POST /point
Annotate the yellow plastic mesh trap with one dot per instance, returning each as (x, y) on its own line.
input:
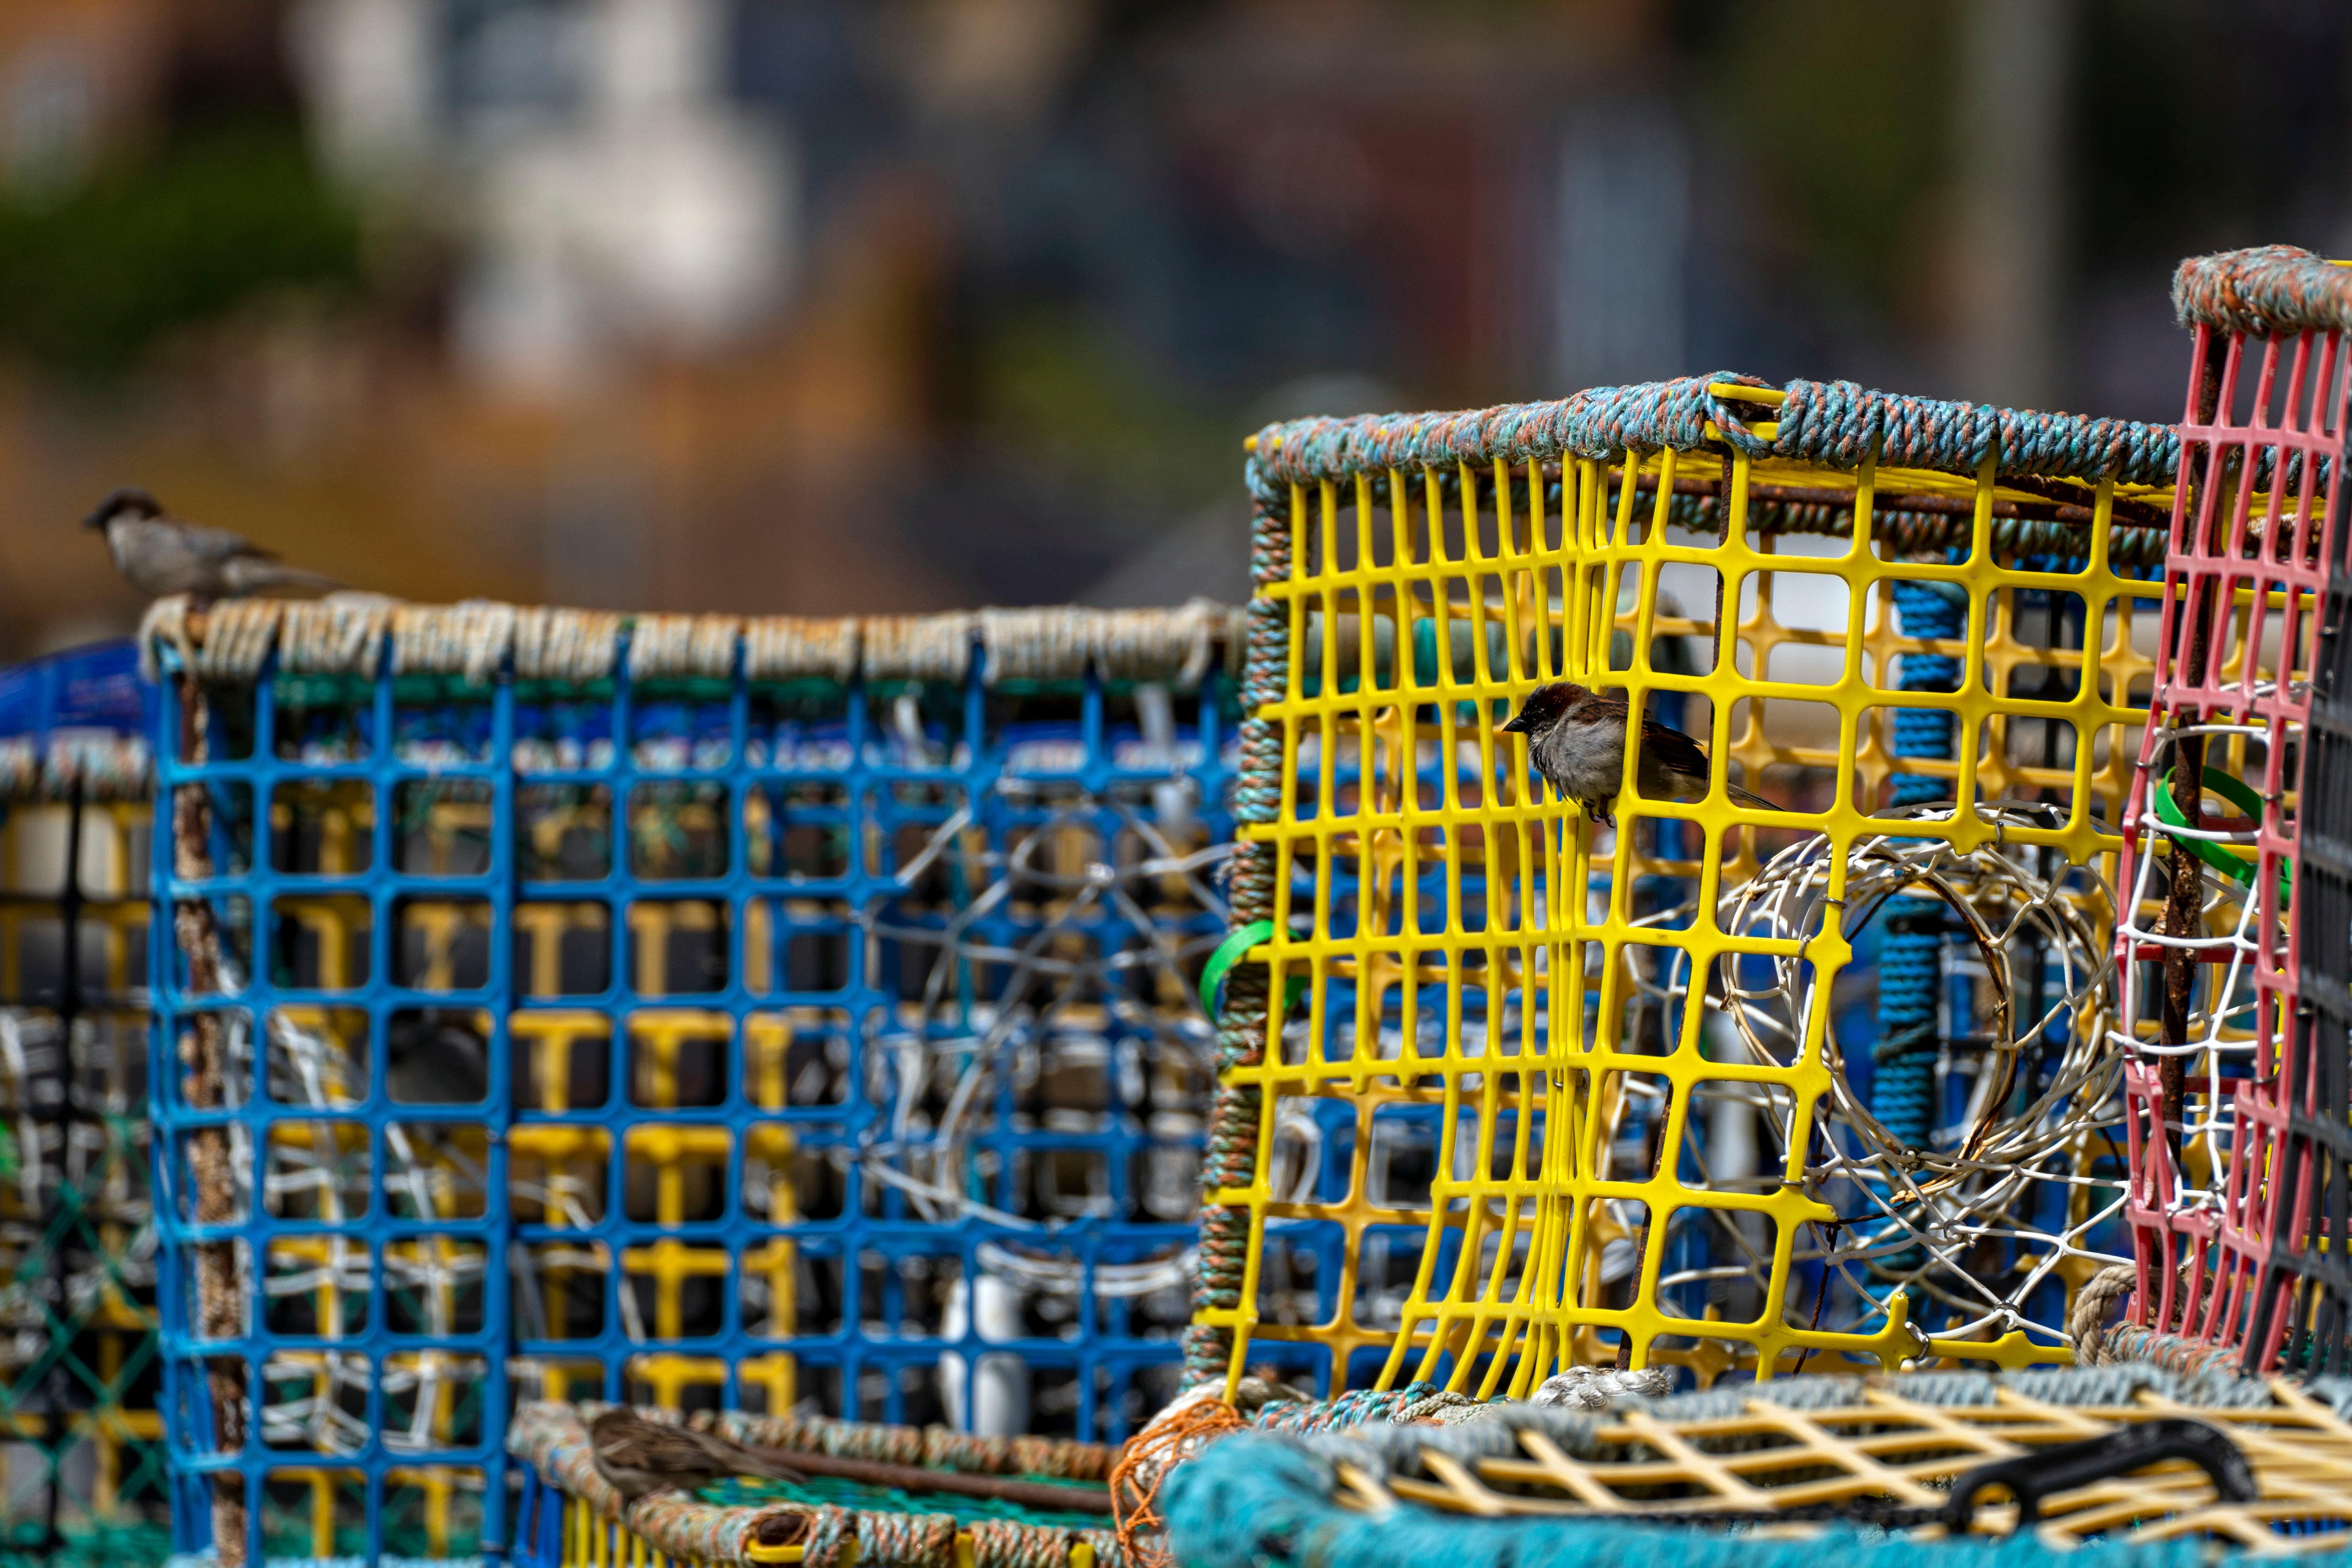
(1419, 1172)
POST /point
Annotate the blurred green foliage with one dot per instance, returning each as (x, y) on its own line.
(1071, 393)
(1843, 108)
(92, 276)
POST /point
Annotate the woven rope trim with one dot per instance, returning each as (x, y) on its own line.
(553, 1439)
(785, 647)
(346, 633)
(917, 648)
(566, 645)
(2265, 291)
(1833, 422)
(471, 638)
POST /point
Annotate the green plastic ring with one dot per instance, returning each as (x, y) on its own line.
(1230, 951)
(2237, 794)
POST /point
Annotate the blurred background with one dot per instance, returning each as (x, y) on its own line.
(830, 306)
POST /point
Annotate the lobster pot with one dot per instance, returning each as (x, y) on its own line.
(2134, 1464)
(1718, 1086)
(766, 1015)
(78, 1376)
(569, 1516)
(2232, 974)
(2307, 1261)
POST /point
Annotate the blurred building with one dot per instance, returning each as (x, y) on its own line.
(837, 305)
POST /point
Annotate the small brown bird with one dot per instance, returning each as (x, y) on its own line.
(161, 554)
(1576, 738)
(638, 1455)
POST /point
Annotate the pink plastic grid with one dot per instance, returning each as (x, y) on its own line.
(2201, 1252)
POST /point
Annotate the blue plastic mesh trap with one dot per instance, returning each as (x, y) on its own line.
(681, 1026)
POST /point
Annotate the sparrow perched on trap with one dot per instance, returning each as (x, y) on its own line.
(1576, 738)
(161, 554)
(638, 1455)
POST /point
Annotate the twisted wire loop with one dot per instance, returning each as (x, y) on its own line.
(1913, 1208)
(553, 1437)
(1834, 423)
(1245, 1018)
(106, 767)
(2265, 291)
(787, 647)
(566, 645)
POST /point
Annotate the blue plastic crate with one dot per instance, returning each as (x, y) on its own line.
(838, 1043)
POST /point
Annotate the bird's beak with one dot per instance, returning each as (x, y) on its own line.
(1517, 725)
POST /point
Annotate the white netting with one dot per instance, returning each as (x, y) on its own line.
(2004, 1197)
(2222, 1027)
(433, 1284)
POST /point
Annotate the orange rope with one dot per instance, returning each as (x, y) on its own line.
(1144, 1464)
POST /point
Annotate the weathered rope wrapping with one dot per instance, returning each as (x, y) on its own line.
(1265, 1498)
(2086, 1319)
(1262, 1502)
(669, 645)
(1243, 1019)
(1174, 646)
(2266, 291)
(1833, 422)
(917, 648)
(2133, 1342)
(574, 646)
(344, 634)
(238, 636)
(790, 647)
(107, 767)
(1910, 955)
(1059, 643)
(933, 1447)
(1837, 422)
(1037, 644)
(1599, 1387)
(553, 1439)
(471, 638)
(339, 634)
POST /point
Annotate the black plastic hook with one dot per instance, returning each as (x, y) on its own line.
(2032, 1477)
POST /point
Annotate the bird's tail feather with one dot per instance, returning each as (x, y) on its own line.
(259, 576)
(1748, 797)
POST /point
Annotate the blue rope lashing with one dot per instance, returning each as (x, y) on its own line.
(1910, 959)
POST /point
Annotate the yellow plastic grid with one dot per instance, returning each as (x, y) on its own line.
(1880, 1447)
(1524, 1293)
